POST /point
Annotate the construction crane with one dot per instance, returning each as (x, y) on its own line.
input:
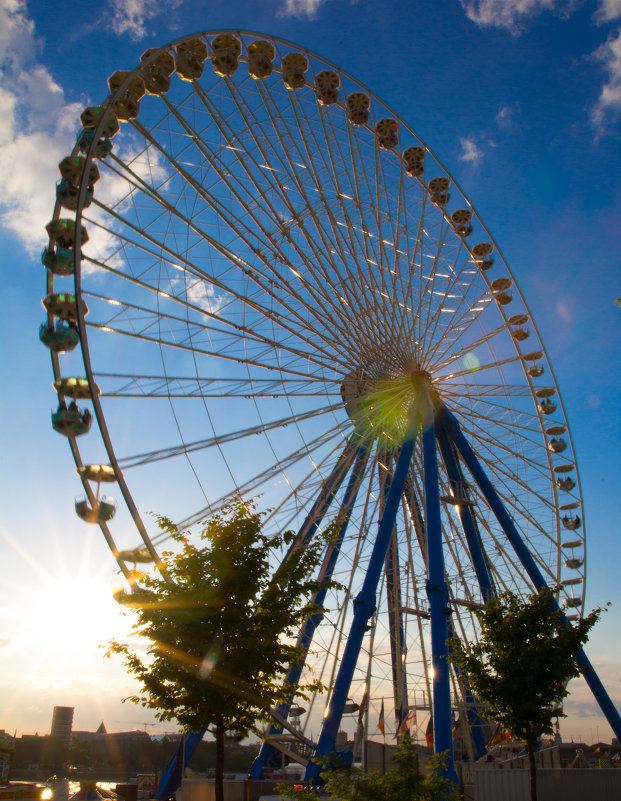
(144, 723)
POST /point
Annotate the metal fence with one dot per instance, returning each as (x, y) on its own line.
(553, 784)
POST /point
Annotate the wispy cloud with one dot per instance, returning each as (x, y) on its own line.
(508, 14)
(17, 42)
(475, 145)
(300, 8)
(131, 16)
(114, 192)
(199, 293)
(37, 128)
(471, 152)
(608, 106)
(505, 118)
(563, 312)
(608, 10)
(513, 14)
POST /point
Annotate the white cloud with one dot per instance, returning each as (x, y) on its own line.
(198, 292)
(563, 312)
(37, 129)
(475, 145)
(114, 191)
(17, 41)
(300, 8)
(505, 118)
(471, 152)
(608, 10)
(131, 16)
(7, 115)
(28, 173)
(512, 14)
(204, 295)
(608, 106)
(41, 96)
(509, 14)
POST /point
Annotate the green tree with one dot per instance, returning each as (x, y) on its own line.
(522, 663)
(220, 626)
(403, 782)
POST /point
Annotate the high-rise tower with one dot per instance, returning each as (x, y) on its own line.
(62, 721)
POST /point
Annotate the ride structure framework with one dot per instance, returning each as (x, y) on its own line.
(269, 286)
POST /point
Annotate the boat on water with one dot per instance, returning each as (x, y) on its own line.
(91, 791)
(10, 789)
(24, 790)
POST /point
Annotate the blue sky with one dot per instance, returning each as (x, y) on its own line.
(520, 99)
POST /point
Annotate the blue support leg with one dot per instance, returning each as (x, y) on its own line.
(474, 719)
(172, 774)
(364, 607)
(465, 516)
(395, 620)
(438, 604)
(451, 426)
(328, 490)
(267, 751)
(476, 724)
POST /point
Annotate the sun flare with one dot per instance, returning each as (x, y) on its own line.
(72, 613)
(55, 623)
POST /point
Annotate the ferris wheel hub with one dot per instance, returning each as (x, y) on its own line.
(382, 405)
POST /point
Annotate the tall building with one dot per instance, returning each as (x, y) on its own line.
(62, 721)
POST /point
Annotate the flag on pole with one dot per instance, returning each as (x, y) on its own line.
(410, 720)
(362, 723)
(498, 736)
(407, 719)
(495, 738)
(380, 722)
(429, 733)
(363, 709)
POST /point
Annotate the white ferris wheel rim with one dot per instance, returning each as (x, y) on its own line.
(347, 330)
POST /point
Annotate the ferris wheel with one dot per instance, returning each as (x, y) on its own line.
(266, 285)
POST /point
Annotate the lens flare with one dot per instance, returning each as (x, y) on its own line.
(470, 362)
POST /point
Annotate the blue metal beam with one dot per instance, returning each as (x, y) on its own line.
(364, 606)
(451, 426)
(267, 751)
(439, 608)
(465, 515)
(329, 487)
(172, 775)
(395, 617)
(476, 724)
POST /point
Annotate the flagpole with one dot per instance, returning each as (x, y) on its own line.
(384, 738)
(381, 725)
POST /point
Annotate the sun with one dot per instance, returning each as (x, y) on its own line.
(68, 614)
(57, 615)
(58, 620)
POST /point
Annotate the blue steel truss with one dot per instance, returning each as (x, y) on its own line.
(445, 432)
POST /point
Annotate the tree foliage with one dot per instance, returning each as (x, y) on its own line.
(404, 782)
(220, 626)
(522, 662)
